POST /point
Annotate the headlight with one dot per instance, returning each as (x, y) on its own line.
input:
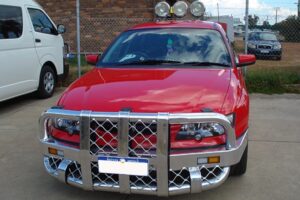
(162, 9)
(180, 8)
(72, 127)
(197, 8)
(277, 46)
(200, 131)
(252, 46)
(203, 130)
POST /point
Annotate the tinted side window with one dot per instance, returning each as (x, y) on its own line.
(11, 22)
(41, 22)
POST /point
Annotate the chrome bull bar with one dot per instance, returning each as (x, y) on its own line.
(162, 162)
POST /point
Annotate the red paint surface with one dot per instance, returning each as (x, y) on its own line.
(173, 90)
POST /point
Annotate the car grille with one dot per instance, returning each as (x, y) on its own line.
(103, 137)
(265, 46)
(142, 138)
(101, 179)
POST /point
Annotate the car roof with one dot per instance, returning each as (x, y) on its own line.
(179, 24)
(20, 3)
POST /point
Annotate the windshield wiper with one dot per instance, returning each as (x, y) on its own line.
(207, 64)
(152, 62)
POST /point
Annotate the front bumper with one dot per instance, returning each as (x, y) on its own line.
(168, 174)
(265, 52)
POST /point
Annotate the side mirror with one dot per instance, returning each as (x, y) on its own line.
(92, 59)
(245, 60)
(61, 29)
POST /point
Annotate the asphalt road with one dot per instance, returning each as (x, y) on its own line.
(273, 169)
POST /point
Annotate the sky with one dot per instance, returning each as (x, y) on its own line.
(265, 9)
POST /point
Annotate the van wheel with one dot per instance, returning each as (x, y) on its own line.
(240, 168)
(47, 82)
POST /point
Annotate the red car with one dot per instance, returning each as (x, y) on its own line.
(164, 112)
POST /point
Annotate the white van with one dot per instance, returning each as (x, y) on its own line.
(31, 50)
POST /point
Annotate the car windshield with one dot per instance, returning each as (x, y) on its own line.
(263, 36)
(198, 47)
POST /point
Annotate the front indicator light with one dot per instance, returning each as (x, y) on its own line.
(209, 160)
(55, 152)
(214, 160)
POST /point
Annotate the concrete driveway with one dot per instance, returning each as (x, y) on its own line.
(273, 169)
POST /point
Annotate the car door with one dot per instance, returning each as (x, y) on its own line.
(18, 59)
(49, 44)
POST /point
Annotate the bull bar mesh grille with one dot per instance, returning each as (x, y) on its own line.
(136, 135)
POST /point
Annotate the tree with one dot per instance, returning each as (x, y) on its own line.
(253, 20)
(266, 25)
(289, 29)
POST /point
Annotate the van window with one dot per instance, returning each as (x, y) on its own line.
(11, 22)
(41, 22)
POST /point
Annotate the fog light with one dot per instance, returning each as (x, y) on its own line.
(197, 8)
(180, 8)
(162, 9)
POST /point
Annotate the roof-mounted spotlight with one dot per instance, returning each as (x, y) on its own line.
(180, 8)
(197, 8)
(162, 9)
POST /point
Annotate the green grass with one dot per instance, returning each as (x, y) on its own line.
(73, 61)
(273, 81)
(259, 80)
(73, 74)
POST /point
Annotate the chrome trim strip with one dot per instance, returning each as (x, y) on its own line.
(162, 151)
(185, 189)
(228, 157)
(74, 182)
(217, 181)
(230, 154)
(62, 169)
(196, 180)
(85, 150)
(123, 141)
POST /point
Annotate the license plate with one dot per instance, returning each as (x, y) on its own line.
(123, 166)
(265, 51)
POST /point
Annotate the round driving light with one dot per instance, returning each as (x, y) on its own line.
(162, 9)
(197, 8)
(180, 8)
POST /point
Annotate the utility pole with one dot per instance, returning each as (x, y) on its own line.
(78, 37)
(246, 26)
(276, 18)
(219, 12)
(298, 8)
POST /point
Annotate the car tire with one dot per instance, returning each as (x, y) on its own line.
(278, 58)
(47, 82)
(240, 168)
